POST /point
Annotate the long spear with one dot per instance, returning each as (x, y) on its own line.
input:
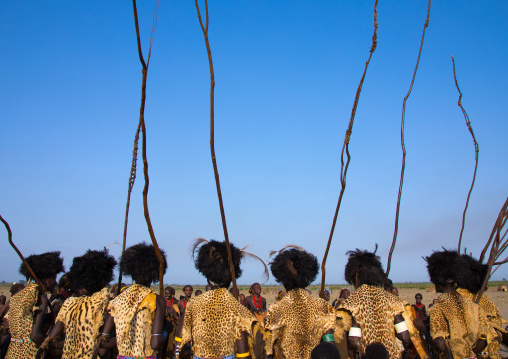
(396, 230)
(212, 144)
(143, 130)
(345, 146)
(476, 149)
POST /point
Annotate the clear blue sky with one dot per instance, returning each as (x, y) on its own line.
(286, 74)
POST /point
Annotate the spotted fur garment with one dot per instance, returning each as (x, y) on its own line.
(459, 321)
(213, 322)
(297, 322)
(374, 309)
(494, 337)
(21, 317)
(82, 317)
(133, 311)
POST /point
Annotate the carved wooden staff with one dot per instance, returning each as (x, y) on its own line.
(476, 149)
(143, 130)
(212, 144)
(132, 178)
(345, 146)
(396, 231)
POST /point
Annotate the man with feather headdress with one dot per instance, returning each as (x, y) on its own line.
(214, 323)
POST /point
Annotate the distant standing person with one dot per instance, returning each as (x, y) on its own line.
(419, 307)
(182, 303)
(255, 302)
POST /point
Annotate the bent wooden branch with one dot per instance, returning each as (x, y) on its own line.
(476, 149)
(143, 130)
(32, 274)
(204, 28)
(497, 248)
(345, 147)
(396, 230)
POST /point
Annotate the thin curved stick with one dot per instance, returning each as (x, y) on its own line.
(143, 129)
(396, 230)
(345, 146)
(32, 274)
(476, 150)
(132, 178)
(212, 145)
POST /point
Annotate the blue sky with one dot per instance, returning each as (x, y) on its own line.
(286, 74)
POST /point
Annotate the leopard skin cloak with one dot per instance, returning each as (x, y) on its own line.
(21, 316)
(82, 317)
(133, 311)
(459, 321)
(296, 323)
(213, 322)
(374, 309)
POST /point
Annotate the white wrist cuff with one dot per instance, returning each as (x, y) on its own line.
(355, 332)
(401, 327)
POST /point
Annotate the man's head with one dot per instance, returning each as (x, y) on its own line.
(141, 263)
(444, 269)
(198, 292)
(255, 289)
(325, 350)
(395, 291)
(364, 267)
(212, 261)
(376, 350)
(242, 297)
(169, 293)
(112, 290)
(92, 271)
(208, 287)
(344, 293)
(326, 295)
(474, 274)
(187, 290)
(418, 298)
(45, 267)
(15, 288)
(294, 267)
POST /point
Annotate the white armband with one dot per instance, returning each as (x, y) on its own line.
(355, 332)
(401, 327)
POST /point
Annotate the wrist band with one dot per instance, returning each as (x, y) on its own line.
(328, 338)
(105, 334)
(355, 332)
(156, 334)
(483, 337)
(401, 327)
(178, 339)
(242, 355)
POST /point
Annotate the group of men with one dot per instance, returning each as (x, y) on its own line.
(370, 322)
